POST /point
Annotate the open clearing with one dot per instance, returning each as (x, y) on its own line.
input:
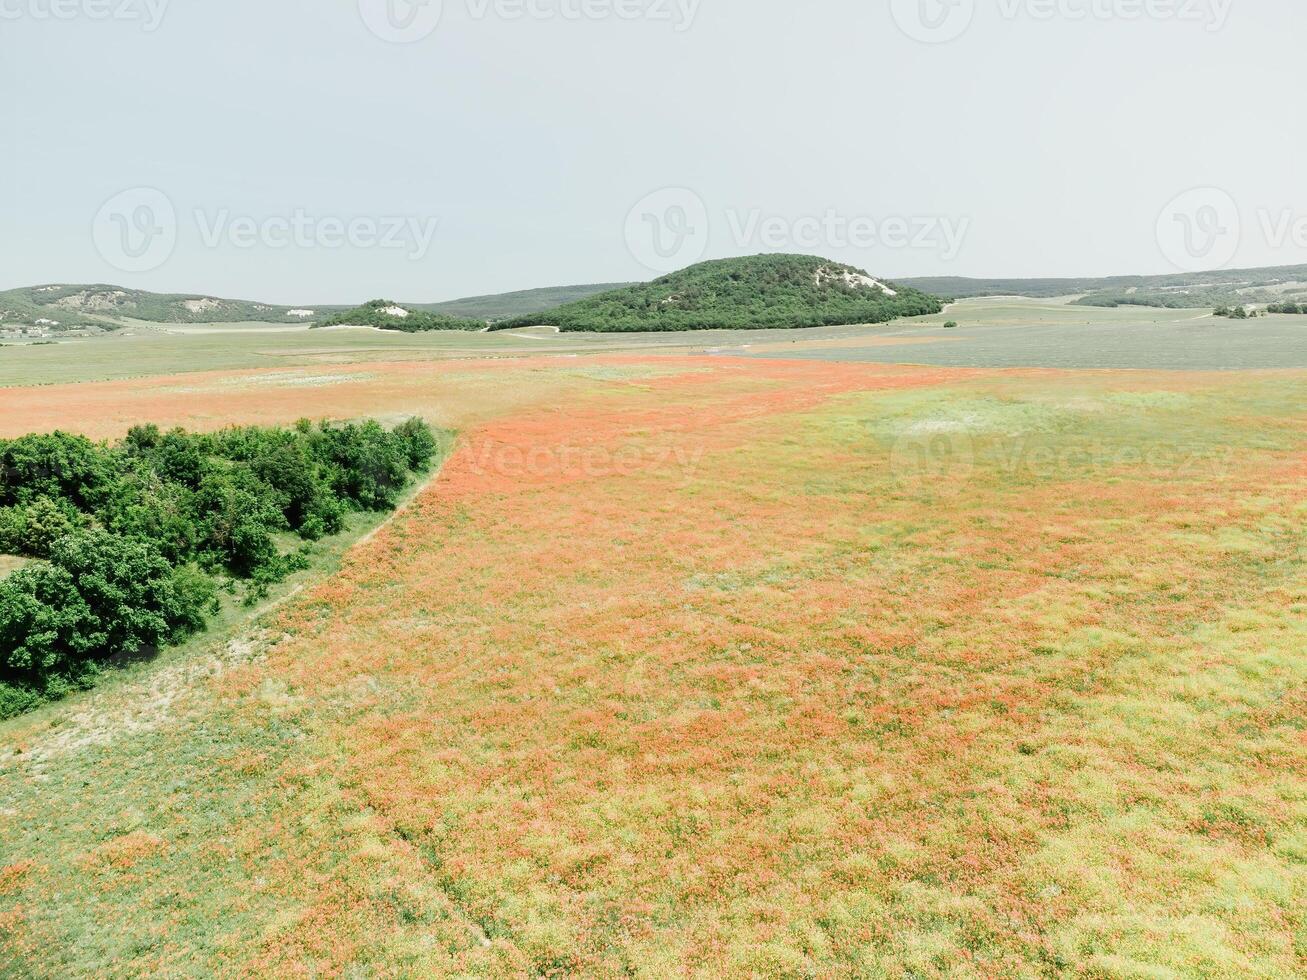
(716, 666)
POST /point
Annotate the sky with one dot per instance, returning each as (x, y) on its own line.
(334, 151)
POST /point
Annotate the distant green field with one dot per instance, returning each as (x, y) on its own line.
(1008, 332)
(148, 350)
(992, 332)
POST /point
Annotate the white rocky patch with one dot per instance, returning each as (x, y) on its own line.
(854, 279)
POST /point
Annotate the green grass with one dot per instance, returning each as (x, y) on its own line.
(1033, 718)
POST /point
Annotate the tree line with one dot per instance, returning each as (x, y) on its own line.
(132, 542)
(374, 314)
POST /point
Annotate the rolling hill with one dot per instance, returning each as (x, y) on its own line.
(759, 291)
(105, 306)
(65, 307)
(520, 303)
(385, 314)
(1197, 290)
(767, 290)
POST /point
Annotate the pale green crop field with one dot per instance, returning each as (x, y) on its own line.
(992, 332)
(149, 350)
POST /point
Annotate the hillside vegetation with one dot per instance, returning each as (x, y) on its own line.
(106, 306)
(520, 303)
(1196, 290)
(385, 314)
(745, 293)
(79, 307)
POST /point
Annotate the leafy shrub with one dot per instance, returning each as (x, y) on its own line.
(56, 465)
(136, 537)
(100, 596)
(33, 529)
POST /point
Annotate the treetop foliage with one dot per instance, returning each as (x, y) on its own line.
(134, 540)
(374, 314)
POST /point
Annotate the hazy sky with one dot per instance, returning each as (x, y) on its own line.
(307, 151)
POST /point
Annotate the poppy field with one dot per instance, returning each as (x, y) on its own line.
(715, 667)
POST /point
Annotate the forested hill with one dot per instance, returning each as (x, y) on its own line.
(65, 307)
(1190, 290)
(759, 291)
(386, 314)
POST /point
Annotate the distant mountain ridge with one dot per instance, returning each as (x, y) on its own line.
(62, 307)
(56, 308)
(69, 306)
(1194, 290)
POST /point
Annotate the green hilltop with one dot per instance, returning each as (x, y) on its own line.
(757, 291)
(386, 314)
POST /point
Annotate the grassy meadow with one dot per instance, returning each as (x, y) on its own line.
(715, 666)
